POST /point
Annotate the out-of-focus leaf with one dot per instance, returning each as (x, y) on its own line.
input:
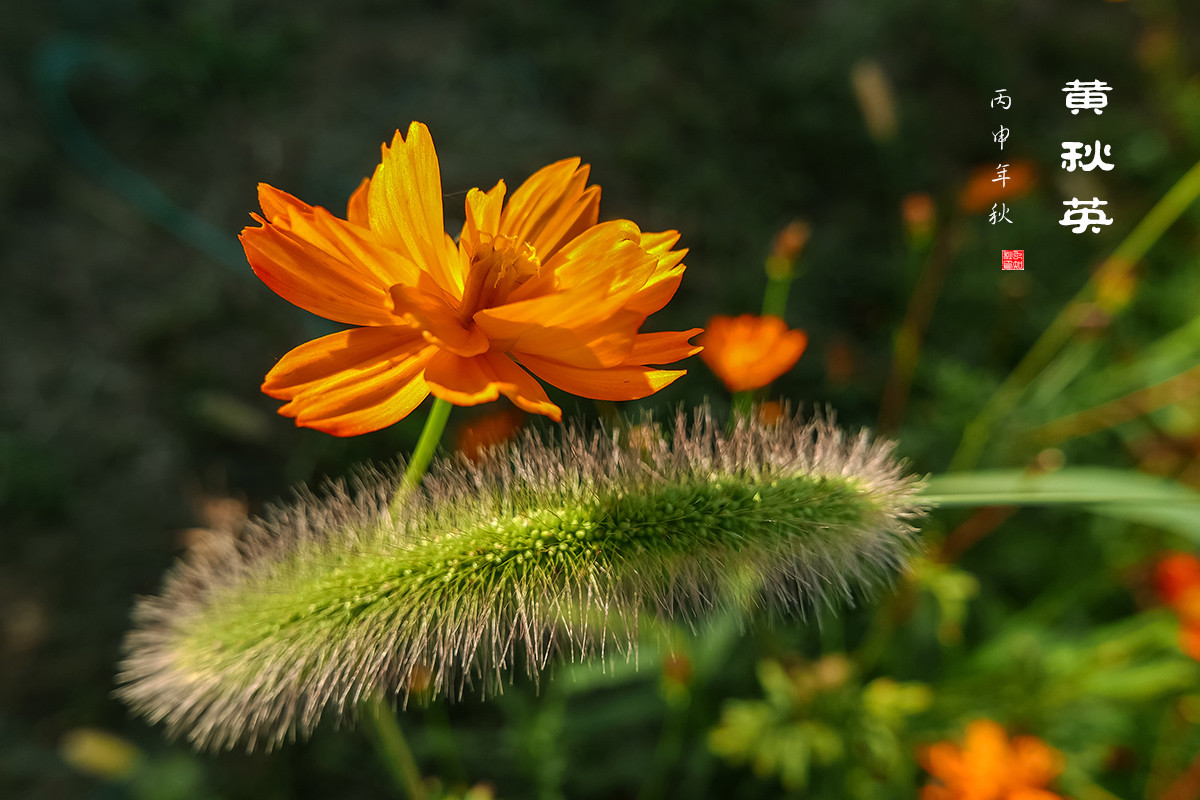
(1171, 355)
(1122, 494)
(1141, 682)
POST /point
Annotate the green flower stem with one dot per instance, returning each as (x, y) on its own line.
(431, 434)
(670, 747)
(393, 749)
(743, 404)
(879, 634)
(775, 297)
(386, 734)
(934, 263)
(1062, 328)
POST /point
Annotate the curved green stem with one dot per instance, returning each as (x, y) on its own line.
(393, 748)
(435, 424)
(775, 297)
(743, 405)
(386, 734)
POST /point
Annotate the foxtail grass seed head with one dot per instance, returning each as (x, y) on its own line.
(546, 547)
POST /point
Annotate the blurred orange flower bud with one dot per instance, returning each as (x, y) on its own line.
(786, 249)
(919, 214)
(770, 412)
(477, 436)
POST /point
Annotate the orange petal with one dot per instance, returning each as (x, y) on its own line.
(520, 387)
(458, 262)
(325, 265)
(405, 203)
(661, 243)
(275, 201)
(613, 383)
(1035, 763)
(603, 342)
(986, 754)
(617, 273)
(943, 761)
(463, 381)
(576, 263)
(353, 381)
(658, 291)
(483, 214)
(570, 263)
(1189, 639)
(357, 210)
(1187, 606)
(1175, 574)
(663, 348)
(552, 207)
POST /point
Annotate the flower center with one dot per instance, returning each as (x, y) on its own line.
(498, 266)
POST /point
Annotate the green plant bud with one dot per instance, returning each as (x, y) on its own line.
(549, 547)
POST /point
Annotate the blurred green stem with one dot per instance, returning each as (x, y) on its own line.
(743, 402)
(670, 748)
(1062, 328)
(906, 349)
(875, 642)
(386, 735)
(775, 297)
(393, 749)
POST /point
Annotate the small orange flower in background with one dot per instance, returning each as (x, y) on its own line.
(990, 766)
(477, 436)
(748, 352)
(982, 190)
(919, 213)
(769, 413)
(786, 249)
(1177, 580)
(534, 285)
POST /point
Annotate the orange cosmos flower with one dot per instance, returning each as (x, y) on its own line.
(748, 352)
(988, 766)
(1176, 576)
(919, 213)
(983, 190)
(1177, 579)
(533, 285)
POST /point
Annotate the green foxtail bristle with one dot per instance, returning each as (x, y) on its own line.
(545, 547)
